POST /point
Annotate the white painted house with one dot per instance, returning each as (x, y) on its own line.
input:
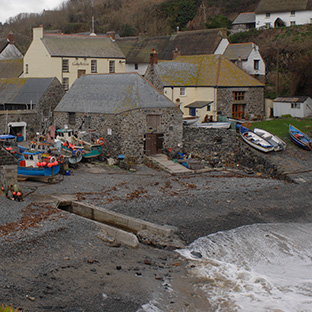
(271, 14)
(296, 106)
(247, 56)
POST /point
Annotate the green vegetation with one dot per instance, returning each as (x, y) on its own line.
(219, 21)
(280, 126)
(5, 308)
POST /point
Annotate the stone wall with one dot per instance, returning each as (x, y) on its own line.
(30, 117)
(254, 100)
(8, 168)
(224, 147)
(124, 133)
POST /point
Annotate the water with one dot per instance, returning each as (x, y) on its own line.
(261, 267)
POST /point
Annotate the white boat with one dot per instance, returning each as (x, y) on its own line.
(255, 140)
(216, 124)
(190, 120)
(279, 144)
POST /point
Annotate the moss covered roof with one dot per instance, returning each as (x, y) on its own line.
(11, 68)
(204, 70)
(269, 6)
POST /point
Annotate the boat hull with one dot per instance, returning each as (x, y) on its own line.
(279, 144)
(38, 172)
(299, 138)
(255, 140)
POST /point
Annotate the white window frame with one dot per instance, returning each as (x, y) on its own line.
(65, 83)
(111, 66)
(182, 91)
(93, 66)
(65, 66)
(267, 15)
(256, 64)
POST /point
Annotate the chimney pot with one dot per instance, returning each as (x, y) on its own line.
(11, 38)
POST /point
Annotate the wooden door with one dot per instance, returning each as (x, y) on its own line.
(238, 111)
(81, 72)
(153, 143)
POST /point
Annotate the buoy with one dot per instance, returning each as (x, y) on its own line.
(60, 159)
(101, 141)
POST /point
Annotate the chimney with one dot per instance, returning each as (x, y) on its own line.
(11, 38)
(153, 57)
(176, 53)
(112, 34)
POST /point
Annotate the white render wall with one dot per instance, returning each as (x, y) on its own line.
(193, 94)
(248, 66)
(282, 108)
(130, 68)
(300, 18)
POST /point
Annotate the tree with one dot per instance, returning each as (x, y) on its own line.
(219, 21)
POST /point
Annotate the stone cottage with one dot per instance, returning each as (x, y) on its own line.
(26, 105)
(132, 116)
(208, 86)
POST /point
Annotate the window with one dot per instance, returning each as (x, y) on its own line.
(26, 69)
(208, 108)
(292, 23)
(65, 66)
(136, 66)
(182, 91)
(267, 25)
(292, 13)
(66, 83)
(239, 95)
(295, 105)
(93, 66)
(72, 118)
(111, 67)
(267, 15)
(256, 64)
(192, 111)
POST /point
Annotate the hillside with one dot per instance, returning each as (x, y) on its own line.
(287, 49)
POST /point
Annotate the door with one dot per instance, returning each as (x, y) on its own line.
(238, 111)
(153, 143)
(81, 72)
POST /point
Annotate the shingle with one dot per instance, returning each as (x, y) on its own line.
(81, 46)
(245, 18)
(204, 70)
(111, 94)
(238, 50)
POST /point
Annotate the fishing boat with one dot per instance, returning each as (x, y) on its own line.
(255, 140)
(300, 138)
(278, 143)
(9, 142)
(33, 164)
(190, 120)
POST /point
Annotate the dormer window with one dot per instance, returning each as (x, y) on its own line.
(267, 15)
(292, 13)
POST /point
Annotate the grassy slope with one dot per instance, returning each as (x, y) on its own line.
(280, 126)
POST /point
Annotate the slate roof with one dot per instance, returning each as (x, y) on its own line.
(203, 70)
(81, 46)
(197, 42)
(11, 68)
(199, 104)
(238, 50)
(111, 94)
(291, 99)
(245, 18)
(23, 90)
(33, 90)
(268, 6)
(3, 43)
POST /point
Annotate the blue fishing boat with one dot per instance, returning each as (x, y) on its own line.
(300, 138)
(32, 164)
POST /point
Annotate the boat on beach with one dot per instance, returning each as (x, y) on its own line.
(278, 143)
(255, 140)
(300, 138)
(190, 120)
(34, 164)
(214, 124)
